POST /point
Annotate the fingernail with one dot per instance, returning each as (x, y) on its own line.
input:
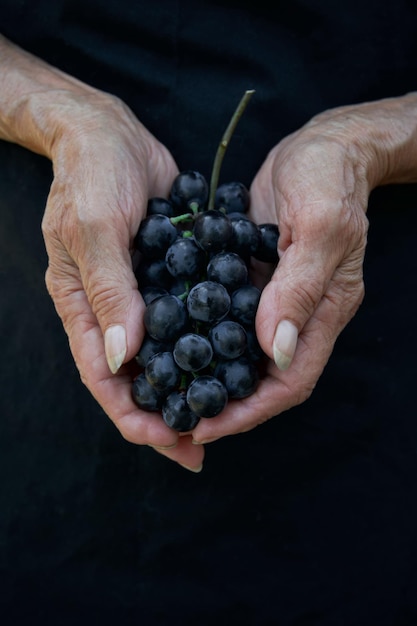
(115, 347)
(174, 445)
(285, 343)
(195, 470)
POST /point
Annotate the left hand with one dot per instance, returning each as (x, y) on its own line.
(314, 185)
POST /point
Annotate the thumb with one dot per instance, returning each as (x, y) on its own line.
(289, 300)
(111, 288)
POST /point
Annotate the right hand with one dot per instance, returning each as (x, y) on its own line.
(106, 166)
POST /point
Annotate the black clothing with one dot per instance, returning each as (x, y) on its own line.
(308, 520)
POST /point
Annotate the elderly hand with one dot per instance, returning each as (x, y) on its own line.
(315, 185)
(106, 165)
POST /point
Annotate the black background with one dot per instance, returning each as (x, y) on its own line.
(310, 519)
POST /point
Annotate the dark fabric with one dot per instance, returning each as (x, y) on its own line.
(310, 519)
(183, 65)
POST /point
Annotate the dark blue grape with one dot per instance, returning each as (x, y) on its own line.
(228, 339)
(244, 304)
(207, 396)
(189, 191)
(229, 269)
(166, 318)
(246, 236)
(161, 206)
(212, 231)
(153, 273)
(156, 233)
(253, 350)
(208, 302)
(185, 258)
(268, 247)
(239, 376)
(148, 348)
(238, 216)
(162, 372)
(232, 197)
(150, 293)
(181, 286)
(192, 352)
(145, 396)
(177, 413)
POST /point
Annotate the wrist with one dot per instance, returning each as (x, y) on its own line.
(40, 104)
(381, 135)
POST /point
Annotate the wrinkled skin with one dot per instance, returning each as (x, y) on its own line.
(314, 184)
(317, 193)
(312, 187)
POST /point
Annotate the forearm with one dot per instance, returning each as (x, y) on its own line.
(383, 133)
(34, 98)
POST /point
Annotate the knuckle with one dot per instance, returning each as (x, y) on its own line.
(104, 297)
(305, 295)
(49, 282)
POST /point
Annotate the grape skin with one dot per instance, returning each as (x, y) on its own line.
(156, 233)
(229, 269)
(184, 258)
(165, 318)
(177, 413)
(239, 376)
(268, 247)
(145, 395)
(193, 352)
(189, 187)
(208, 302)
(232, 197)
(244, 304)
(229, 339)
(153, 273)
(148, 348)
(246, 237)
(207, 396)
(161, 206)
(162, 372)
(212, 231)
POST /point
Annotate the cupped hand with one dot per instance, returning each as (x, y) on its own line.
(106, 166)
(314, 185)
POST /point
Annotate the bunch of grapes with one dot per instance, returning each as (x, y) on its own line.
(200, 347)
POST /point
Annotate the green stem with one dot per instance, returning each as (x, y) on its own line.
(195, 207)
(185, 217)
(222, 147)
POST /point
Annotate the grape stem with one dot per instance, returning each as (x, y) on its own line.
(184, 217)
(222, 147)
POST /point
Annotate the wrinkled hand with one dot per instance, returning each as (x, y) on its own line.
(314, 185)
(106, 165)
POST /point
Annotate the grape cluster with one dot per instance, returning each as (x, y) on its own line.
(200, 346)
